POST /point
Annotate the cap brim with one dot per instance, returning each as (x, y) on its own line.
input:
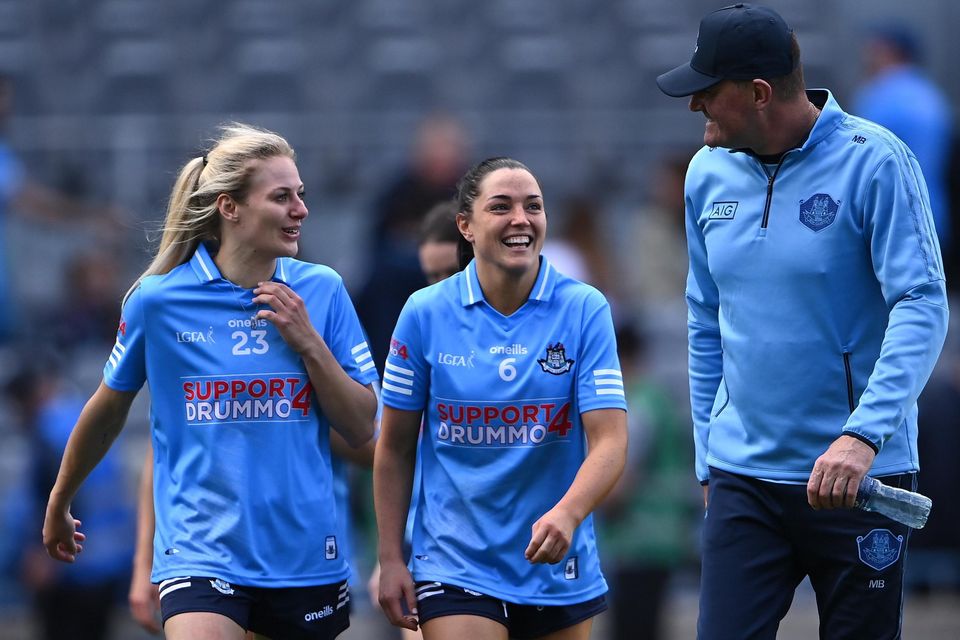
(685, 81)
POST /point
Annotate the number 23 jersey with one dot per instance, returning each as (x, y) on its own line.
(502, 434)
(242, 475)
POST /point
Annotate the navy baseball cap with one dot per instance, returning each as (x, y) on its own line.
(739, 42)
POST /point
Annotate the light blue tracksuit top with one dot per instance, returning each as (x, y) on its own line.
(816, 300)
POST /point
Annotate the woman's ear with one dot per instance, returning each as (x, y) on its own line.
(227, 207)
(463, 223)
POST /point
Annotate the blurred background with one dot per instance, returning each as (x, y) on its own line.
(386, 103)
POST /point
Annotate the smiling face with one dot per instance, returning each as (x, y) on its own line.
(508, 224)
(266, 224)
(728, 107)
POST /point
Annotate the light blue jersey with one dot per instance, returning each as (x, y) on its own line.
(502, 435)
(242, 475)
(816, 297)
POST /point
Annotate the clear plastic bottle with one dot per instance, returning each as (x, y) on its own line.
(904, 506)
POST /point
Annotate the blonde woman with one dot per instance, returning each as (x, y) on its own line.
(251, 356)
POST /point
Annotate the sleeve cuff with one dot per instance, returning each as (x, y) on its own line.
(862, 438)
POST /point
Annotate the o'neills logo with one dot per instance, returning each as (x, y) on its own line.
(515, 349)
(212, 400)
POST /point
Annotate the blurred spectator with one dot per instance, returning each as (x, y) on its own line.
(87, 314)
(648, 521)
(935, 549)
(439, 235)
(898, 95)
(23, 196)
(654, 272)
(657, 268)
(576, 248)
(69, 601)
(439, 158)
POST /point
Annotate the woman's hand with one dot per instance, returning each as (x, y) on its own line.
(551, 537)
(397, 592)
(288, 314)
(60, 536)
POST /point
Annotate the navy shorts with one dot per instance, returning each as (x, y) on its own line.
(438, 599)
(307, 613)
(760, 539)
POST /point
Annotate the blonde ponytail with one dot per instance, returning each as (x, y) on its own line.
(192, 215)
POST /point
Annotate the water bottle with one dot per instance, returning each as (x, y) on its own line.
(904, 506)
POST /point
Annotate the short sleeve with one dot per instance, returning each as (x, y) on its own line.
(599, 380)
(406, 374)
(348, 341)
(126, 369)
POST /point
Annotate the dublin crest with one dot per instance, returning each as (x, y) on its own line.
(879, 549)
(818, 211)
(556, 361)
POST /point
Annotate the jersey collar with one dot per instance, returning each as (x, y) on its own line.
(471, 293)
(206, 270)
(831, 115)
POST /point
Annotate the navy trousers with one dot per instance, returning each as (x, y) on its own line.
(760, 539)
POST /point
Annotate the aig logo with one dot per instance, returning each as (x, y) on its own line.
(723, 210)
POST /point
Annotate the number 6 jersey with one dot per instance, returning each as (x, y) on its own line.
(502, 434)
(242, 480)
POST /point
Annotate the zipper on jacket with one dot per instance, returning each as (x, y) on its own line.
(770, 179)
(725, 402)
(849, 373)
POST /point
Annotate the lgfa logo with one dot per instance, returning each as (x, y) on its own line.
(452, 360)
(196, 336)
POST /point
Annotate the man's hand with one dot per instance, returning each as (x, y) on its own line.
(837, 473)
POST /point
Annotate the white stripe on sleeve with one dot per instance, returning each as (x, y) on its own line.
(396, 389)
(392, 378)
(396, 369)
(359, 347)
(611, 392)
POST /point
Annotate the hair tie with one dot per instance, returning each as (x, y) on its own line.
(204, 159)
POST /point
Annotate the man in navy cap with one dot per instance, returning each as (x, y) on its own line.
(817, 310)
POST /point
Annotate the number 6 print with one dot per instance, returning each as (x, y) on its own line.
(507, 371)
